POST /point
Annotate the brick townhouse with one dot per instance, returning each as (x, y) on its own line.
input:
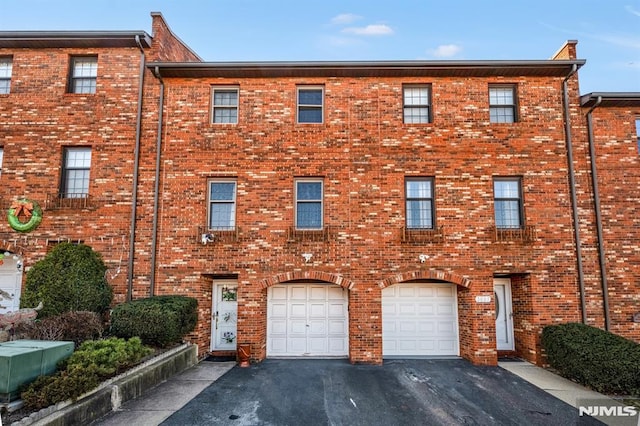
(69, 114)
(367, 210)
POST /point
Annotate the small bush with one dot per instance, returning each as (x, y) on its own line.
(109, 356)
(64, 385)
(70, 278)
(158, 321)
(71, 326)
(92, 362)
(604, 361)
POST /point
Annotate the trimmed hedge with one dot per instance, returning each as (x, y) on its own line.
(604, 361)
(158, 321)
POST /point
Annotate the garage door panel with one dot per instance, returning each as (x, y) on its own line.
(317, 310)
(315, 318)
(426, 292)
(406, 309)
(278, 293)
(297, 292)
(426, 309)
(420, 319)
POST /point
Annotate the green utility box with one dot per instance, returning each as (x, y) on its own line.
(22, 361)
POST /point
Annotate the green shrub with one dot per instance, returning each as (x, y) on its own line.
(64, 385)
(92, 362)
(604, 361)
(71, 326)
(158, 321)
(70, 278)
(109, 356)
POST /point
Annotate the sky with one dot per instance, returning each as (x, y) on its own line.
(608, 31)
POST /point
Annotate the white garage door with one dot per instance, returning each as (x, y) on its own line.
(419, 319)
(307, 320)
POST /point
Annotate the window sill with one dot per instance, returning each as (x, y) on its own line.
(295, 235)
(525, 234)
(207, 235)
(422, 235)
(58, 202)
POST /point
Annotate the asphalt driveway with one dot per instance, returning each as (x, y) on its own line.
(401, 392)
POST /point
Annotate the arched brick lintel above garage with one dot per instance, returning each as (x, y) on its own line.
(308, 275)
(429, 274)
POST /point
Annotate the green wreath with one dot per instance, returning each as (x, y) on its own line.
(27, 208)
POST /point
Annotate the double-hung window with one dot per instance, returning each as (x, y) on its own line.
(507, 194)
(310, 104)
(416, 104)
(419, 203)
(6, 65)
(502, 103)
(75, 173)
(224, 105)
(309, 200)
(83, 74)
(222, 205)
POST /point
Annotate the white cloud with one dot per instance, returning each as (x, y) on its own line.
(345, 18)
(632, 10)
(370, 30)
(445, 51)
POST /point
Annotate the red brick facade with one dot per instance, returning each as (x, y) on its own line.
(363, 152)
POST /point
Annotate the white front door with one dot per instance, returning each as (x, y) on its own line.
(307, 320)
(504, 314)
(10, 283)
(224, 320)
(420, 319)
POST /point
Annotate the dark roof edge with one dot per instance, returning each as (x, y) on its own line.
(611, 99)
(369, 64)
(17, 38)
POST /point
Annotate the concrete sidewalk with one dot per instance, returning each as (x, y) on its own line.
(563, 389)
(158, 403)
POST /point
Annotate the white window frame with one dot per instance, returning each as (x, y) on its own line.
(6, 70)
(297, 202)
(233, 202)
(1, 158)
(430, 200)
(89, 74)
(215, 107)
(65, 187)
(309, 106)
(519, 199)
(513, 88)
(409, 106)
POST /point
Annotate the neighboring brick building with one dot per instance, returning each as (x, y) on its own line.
(68, 132)
(361, 209)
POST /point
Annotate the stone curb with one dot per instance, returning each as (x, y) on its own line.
(110, 395)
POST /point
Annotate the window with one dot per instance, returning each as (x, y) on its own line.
(419, 203)
(638, 132)
(508, 203)
(6, 65)
(1, 157)
(75, 173)
(502, 104)
(310, 104)
(417, 108)
(222, 205)
(84, 71)
(308, 204)
(225, 105)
